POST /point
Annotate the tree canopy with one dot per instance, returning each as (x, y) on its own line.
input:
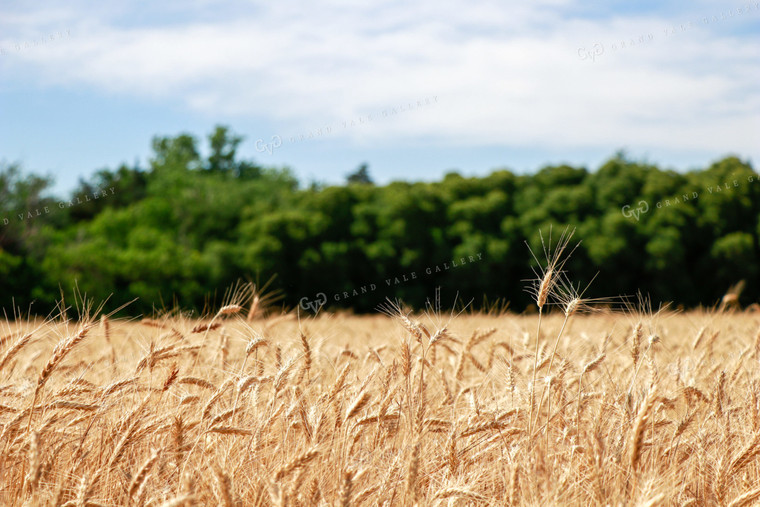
(180, 231)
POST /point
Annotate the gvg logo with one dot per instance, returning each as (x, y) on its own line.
(269, 147)
(636, 212)
(314, 306)
(591, 54)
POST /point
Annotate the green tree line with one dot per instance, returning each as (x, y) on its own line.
(175, 234)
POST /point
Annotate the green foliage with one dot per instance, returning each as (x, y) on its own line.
(186, 227)
(361, 176)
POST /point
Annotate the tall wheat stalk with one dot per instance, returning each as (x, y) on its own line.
(542, 289)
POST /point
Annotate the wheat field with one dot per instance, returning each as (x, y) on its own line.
(634, 408)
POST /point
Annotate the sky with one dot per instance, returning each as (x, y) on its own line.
(413, 89)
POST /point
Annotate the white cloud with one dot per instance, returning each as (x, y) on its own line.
(503, 74)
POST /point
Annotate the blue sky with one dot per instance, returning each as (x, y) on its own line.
(493, 84)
